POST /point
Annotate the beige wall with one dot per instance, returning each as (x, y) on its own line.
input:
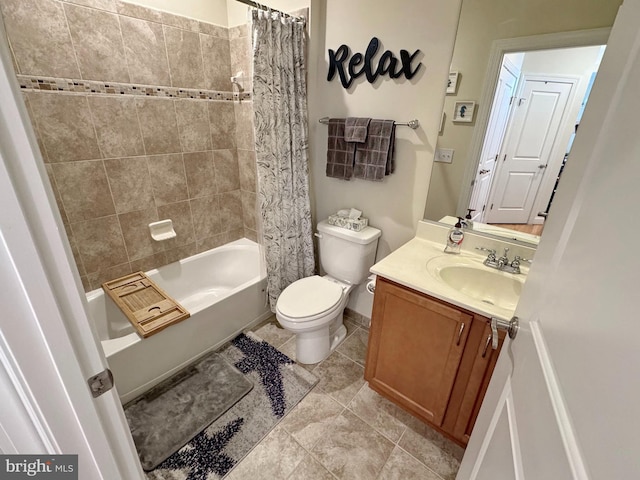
(481, 22)
(396, 204)
(212, 11)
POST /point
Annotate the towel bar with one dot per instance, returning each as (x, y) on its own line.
(411, 123)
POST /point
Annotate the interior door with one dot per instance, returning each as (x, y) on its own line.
(563, 400)
(501, 106)
(538, 114)
(47, 345)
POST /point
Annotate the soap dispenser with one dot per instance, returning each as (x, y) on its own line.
(468, 222)
(454, 238)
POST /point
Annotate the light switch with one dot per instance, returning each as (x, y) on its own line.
(444, 155)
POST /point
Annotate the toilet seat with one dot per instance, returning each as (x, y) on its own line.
(309, 298)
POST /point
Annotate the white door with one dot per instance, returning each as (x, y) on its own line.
(538, 114)
(47, 347)
(501, 106)
(563, 401)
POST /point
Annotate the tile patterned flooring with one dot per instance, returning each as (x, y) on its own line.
(344, 430)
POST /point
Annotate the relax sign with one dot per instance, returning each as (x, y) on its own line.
(360, 64)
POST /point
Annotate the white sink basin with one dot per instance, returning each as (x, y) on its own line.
(474, 280)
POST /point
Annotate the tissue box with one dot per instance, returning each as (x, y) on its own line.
(348, 223)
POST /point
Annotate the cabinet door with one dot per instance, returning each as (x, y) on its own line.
(415, 348)
(485, 358)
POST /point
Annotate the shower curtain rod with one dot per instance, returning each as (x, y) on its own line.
(264, 7)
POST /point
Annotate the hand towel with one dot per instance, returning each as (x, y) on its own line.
(340, 154)
(374, 158)
(355, 129)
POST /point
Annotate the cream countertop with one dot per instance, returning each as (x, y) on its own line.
(408, 265)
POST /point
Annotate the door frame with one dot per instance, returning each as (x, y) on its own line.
(579, 38)
(48, 345)
(556, 154)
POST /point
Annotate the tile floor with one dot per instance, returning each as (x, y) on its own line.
(342, 429)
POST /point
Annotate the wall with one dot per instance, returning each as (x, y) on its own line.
(396, 204)
(212, 11)
(481, 22)
(135, 124)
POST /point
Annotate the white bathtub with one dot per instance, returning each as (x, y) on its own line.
(224, 291)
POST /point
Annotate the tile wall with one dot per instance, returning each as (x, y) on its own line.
(137, 121)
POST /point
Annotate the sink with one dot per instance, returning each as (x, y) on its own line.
(473, 279)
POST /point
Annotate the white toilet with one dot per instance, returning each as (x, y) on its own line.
(312, 307)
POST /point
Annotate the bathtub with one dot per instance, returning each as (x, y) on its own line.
(224, 291)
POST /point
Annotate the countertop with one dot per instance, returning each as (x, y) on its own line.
(407, 266)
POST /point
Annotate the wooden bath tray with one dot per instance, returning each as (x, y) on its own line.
(144, 303)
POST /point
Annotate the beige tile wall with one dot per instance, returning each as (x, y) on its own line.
(118, 162)
(240, 45)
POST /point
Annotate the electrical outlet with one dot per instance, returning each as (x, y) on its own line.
(444, 155)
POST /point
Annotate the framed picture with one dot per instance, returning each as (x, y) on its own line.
(463, 111)
(452, 85)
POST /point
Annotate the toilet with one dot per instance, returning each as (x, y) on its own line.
(313, 307)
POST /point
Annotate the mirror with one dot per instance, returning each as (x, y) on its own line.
(488, 30)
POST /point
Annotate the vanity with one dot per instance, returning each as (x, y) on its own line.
(431, 346)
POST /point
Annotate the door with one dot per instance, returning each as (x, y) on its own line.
(47, 347)
(415, 348)
(563, 400)
(501, 106)
(538, 114)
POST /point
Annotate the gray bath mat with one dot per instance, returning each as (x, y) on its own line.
(169, 415)
(279, 384)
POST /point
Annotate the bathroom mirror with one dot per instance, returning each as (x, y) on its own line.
(489, 31)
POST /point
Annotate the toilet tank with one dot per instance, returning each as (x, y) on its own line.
(347, 255)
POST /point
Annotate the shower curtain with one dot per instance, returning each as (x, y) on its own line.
(280, 122)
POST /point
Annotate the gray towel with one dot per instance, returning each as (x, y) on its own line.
(340, 154)
(374, 158)
(355, 129)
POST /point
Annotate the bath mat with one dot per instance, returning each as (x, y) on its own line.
(279, 384)
(166, 417)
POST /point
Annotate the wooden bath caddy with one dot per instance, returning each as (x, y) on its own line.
(145, 304)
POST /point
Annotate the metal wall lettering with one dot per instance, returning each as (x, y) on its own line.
(360, 64)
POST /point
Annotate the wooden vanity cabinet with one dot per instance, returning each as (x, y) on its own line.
(429, 357)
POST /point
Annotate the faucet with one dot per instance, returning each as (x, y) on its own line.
(504, 259)
(503, 264)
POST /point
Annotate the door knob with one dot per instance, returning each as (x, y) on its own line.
(483, 171)
(542, 166)
(511, 326)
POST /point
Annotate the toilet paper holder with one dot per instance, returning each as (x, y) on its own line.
(371, 284)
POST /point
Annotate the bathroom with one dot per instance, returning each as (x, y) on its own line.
(393, 206)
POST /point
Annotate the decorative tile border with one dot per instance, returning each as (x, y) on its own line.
(29, 82)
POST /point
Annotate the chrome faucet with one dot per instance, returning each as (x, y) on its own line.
(504, 259)
(503, 264)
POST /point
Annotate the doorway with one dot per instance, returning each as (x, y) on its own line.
(538, 102)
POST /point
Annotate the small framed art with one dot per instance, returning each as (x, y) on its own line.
(452, 84)
(463, 111)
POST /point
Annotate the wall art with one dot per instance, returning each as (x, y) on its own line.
(463, 111)
(349, 67)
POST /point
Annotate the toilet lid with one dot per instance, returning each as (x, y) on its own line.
(308, 297)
